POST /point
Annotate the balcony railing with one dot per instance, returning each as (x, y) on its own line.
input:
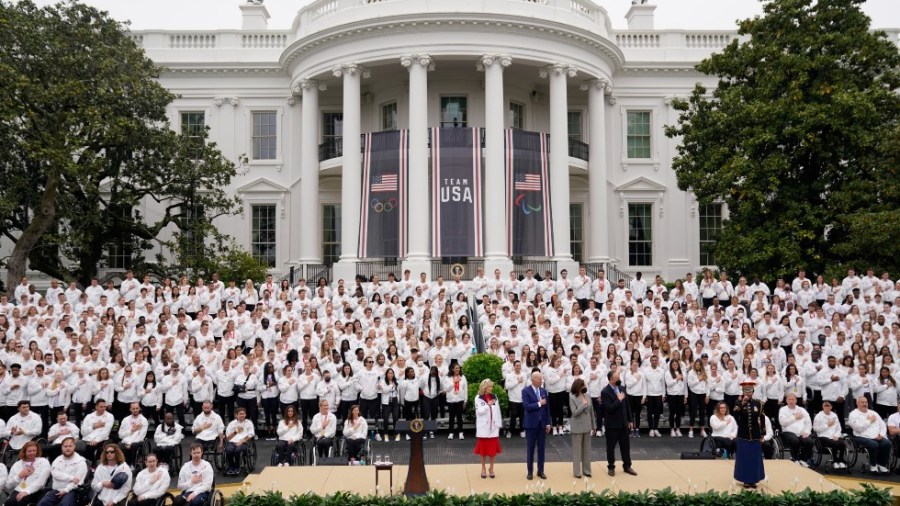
(447, 267)
(540, 266)
(333, 147)
(579, 149)
(380, 268)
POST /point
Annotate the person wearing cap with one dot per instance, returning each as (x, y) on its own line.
(748, 412)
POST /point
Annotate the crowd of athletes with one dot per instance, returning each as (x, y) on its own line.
(87, 374)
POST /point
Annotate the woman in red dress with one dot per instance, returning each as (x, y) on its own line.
(488, 421)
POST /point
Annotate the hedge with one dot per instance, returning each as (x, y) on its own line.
(868, 496)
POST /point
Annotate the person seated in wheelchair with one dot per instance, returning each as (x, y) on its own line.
(323, 427)
(69, 471)
(356, 429)
(95, 430)
(237, 438)
(290, 432)
(28, 476)
(208, 427)
(112, 477)
(166, 438)
(724, 428)
(195, 480)
(59, 432)
(768, 444)
(24, 426)
(132, 431)
(828, 431)
(893, 427)
(870, 432)
(151, 483)
(796, 430)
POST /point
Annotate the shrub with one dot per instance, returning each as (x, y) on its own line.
(868, 496)
(480, 367)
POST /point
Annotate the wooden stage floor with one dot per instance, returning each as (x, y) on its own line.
(682, 476)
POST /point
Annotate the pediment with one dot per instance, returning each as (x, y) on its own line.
(641, 184)
(262, 185)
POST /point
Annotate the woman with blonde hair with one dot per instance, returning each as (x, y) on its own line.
(488, 421)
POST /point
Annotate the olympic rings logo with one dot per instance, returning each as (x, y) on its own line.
(383, 207)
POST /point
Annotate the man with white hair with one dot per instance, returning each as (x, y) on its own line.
(870, 432)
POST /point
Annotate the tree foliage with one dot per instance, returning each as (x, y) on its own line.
(89, 155)
(800, 139)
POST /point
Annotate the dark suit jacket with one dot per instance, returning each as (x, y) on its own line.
(536, 416)
(616, 413)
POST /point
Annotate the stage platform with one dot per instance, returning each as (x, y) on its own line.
(682, 476)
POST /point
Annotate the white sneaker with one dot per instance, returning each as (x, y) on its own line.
(461, 436)
(803, 463)
(840, 465)
(678, 433)
(522, 434)
(673, 433)
(450, 436)
(702, 432)
(431, 435)
(873, 469)
(397, 437)
(508, 434)
(691, 433)
(407, 437)
(377, 437)
(882, 469)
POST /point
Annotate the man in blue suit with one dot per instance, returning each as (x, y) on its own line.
(536, 422)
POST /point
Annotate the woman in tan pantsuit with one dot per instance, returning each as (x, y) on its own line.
(582, 424)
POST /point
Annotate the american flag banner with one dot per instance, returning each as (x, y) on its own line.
(529, 222)
(384, 183)
(383, 213)
(528, 182)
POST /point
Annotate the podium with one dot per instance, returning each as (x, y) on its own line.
(416, 479)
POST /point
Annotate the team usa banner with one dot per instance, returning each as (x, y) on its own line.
(456, 192)
(383, 210)
(529, 223)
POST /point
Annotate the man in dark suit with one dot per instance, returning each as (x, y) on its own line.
(536, 422)
(618, 427)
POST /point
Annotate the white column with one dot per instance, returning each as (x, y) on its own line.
(496, 255)
(419, 226)
(351, 185)
(310, 246)
(598, 207)
(559, 159)
(293, 148)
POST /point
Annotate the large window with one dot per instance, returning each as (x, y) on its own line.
(576, 225)
(119, 249)
(331, 233)
(389, 116)
(262, 235)
(640, 234)
(638, 135)
(710, 226)
(192, 222)
(575, 129)
(193, 125)
(265, 135)
(453, 112)
(517, 115)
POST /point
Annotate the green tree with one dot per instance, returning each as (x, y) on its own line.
(87, 142)
(800, 139)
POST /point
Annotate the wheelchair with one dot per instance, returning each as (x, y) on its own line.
(214, 453)
(708, 445)
(820, 453)
(248, 458)
(298, 458)
(364, 453)
(166, 499)
(314, 453)
(854, 451)
(9, 455)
